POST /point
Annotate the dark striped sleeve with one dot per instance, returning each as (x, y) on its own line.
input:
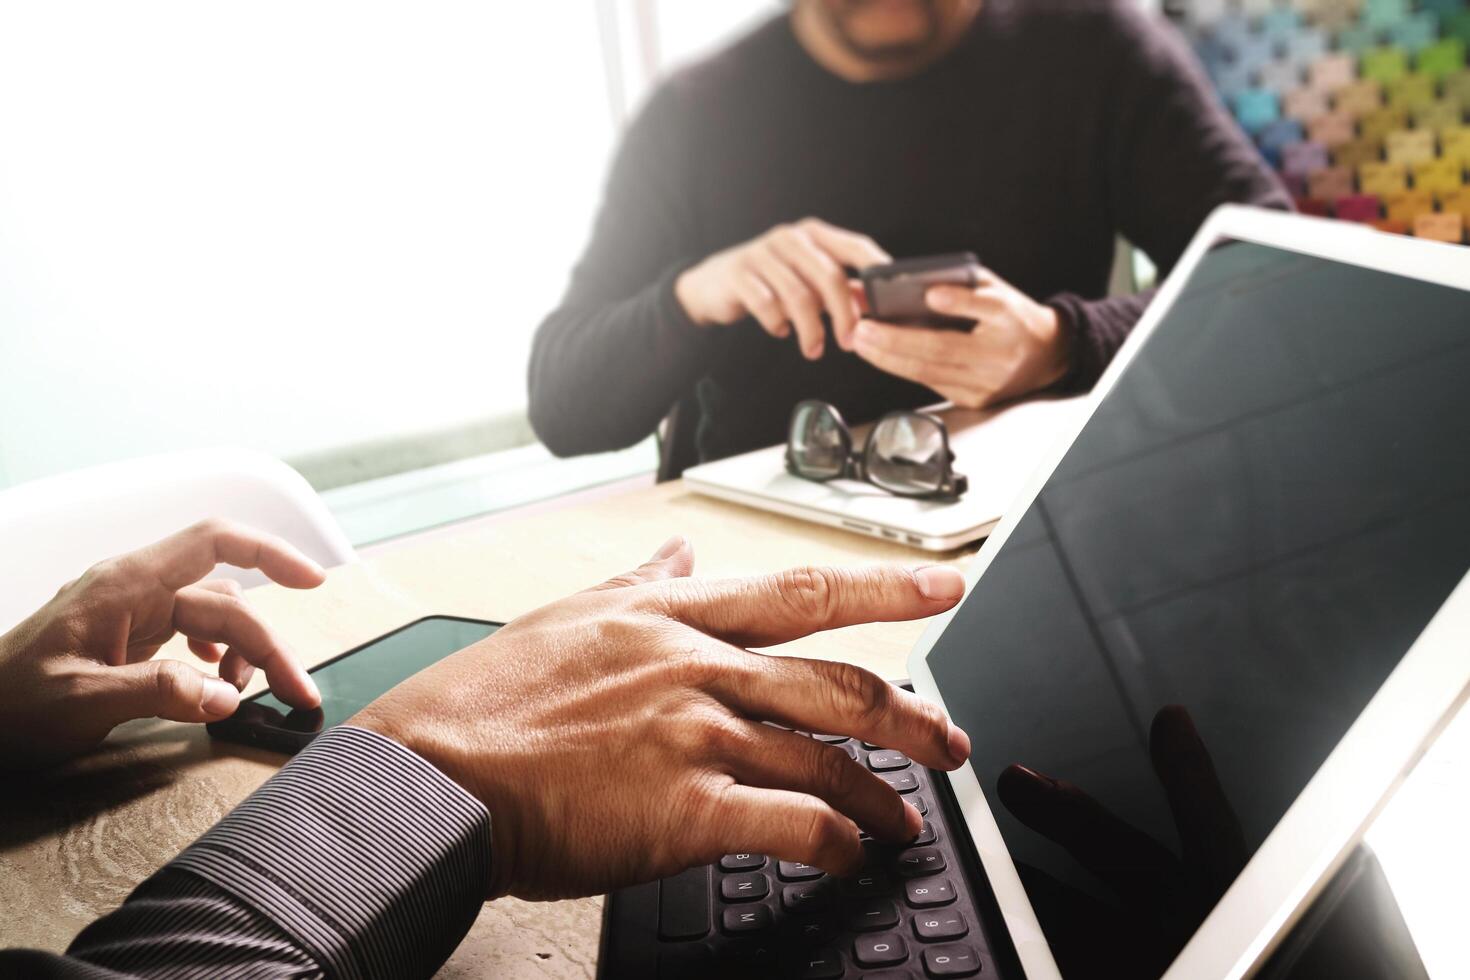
(357, 859)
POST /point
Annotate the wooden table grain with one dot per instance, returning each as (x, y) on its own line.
(75, 842)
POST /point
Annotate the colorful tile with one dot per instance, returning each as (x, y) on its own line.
(1443, 226)
(1333, 129)
(1380, 122)
(1360, 97)
(1354, 153)
(1415, 32)
(1300, 159)
(1457, 202)
(1411, 90)
(1305, 104)
(1279, 76)
(1255, 108)
(1439, 176)
(1457, 86)
(1359, 207)
(1454, 144)
(1407, 205)
(1442, 58)
(1387, 65)
(1383, 178)
(1331, 183)
(1409, 146)
(1439, 115)
(1333, 72)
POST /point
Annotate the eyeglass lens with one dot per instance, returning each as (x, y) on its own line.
(818, 442)
(906, 454)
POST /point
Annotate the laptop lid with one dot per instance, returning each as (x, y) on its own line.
(1220, 624)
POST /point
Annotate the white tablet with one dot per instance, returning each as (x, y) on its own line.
(1228, 611)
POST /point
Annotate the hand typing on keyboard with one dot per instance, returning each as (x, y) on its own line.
(618, 735)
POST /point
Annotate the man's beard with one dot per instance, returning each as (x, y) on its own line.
(898, 51)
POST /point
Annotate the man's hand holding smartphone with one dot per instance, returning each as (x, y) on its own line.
(1013, 346)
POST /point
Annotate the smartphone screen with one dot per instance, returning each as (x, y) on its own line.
(350, 681)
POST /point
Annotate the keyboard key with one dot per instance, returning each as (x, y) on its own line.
(746, 918)
(819, 964)
(744, 887)
(742, 862)
(926, 892)
(809, 931)
(887, 759)
(687, 962)
(920, 804)
(1411, 91)
(683, 905)
(796, 871)
(871, 747)
(926, 836)
(952, 960)
(811, 896)
(1305, 104)
(904, 782)
(1355, 153)
(1441, 115)
(1408, 205)
(872, 914)
(867, 883)
(851, 750)
(830, 739)
(884, 949)
(945, 924)
(1377, 124)
(920, 861)
(1438, 176)
(1333, 129)
(750, 957)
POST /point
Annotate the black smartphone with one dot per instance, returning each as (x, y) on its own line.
(348, 682)
(895, 291)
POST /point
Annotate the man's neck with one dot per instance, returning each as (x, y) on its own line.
(821, 39)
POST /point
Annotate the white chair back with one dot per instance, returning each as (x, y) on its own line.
(53, 529)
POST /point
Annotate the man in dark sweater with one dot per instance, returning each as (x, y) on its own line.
(1031, 132)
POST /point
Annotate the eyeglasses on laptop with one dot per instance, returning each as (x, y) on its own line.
(907, 453)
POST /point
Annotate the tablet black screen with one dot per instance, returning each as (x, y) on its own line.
(1245, 539)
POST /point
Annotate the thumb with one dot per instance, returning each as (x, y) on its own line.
(675, 559)
(164, 689)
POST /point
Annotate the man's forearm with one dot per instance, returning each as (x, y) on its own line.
(603, 374)
(358, 859)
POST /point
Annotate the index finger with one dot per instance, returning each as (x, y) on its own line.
(847, 247)
(772, 609)
(186, 557)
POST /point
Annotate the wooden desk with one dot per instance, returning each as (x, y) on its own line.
(74, 843)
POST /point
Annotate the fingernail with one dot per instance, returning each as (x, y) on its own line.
(220, 697)
(940, 582)
(959, 744)
(813, 352)
(669, 548)
(865, 332)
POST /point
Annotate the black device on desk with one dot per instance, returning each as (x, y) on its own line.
(349, 682)
(895, 292)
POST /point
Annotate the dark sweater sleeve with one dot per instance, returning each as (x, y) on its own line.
(613, 358)
(1173, 154)
(357, 859)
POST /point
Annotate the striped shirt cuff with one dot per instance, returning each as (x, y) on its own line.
(371, 859)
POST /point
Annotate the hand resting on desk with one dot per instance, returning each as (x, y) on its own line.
(617, 735)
